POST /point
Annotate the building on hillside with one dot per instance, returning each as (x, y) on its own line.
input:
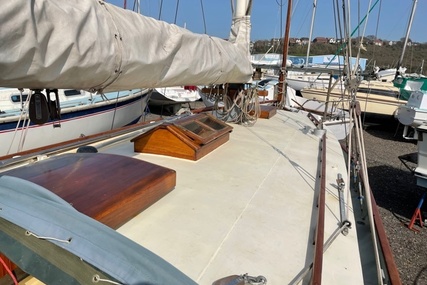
(378, 42)
(326, 61)
(304, 41)
(294, 41)
(320, 40)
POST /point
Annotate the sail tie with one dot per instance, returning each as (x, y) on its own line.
(28, 233)
(96, 279)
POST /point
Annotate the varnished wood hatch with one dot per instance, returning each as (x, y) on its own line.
(190, 137)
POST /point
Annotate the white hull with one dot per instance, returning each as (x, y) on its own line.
(371, 101)
(173, 95)
(409, 116)
(75, 127)
(414, 112)
(301, 80)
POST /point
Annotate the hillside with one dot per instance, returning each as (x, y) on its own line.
(382, 56)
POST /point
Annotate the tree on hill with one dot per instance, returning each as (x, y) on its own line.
(385, 56)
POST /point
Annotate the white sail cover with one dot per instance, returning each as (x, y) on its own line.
(96, 46)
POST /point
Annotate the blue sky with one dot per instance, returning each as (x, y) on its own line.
(389, 22)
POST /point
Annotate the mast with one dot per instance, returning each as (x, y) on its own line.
(311, 30)
(241, 8)
(408, 30)
(282, 75)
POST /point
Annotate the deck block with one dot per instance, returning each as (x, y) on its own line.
(267, 111)
(109, 188)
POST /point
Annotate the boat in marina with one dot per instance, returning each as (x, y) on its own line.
(331, 117)
(174, 97)
(189, 199)
(75, 113)
(413, 114)
(374, 97)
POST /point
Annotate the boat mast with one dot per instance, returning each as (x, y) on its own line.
(311, 31)
(282, 75)
(408, 30)
(241, 8)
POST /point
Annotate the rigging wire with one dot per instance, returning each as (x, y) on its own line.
(346, 20)
(303, 21)
(23, 117)
(115, 108)
(365, 19)
(160, 9)
(249, 8)
(376, 29)
(24, 133)
(12, 276)
(351, 85)
(176, 11)
(203, 16)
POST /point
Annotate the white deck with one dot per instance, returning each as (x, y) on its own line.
(249, 207)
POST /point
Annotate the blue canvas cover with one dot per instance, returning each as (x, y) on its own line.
(45, 217)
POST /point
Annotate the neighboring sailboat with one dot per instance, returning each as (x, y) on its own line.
(174, 97)
(413, 87)
(80, 113)
(199, 201)
(413, 114)
(375, 97)
(332, 119)
(407, 83)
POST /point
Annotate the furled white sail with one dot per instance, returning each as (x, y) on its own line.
(93, 45)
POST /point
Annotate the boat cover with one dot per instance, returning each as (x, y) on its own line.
(49, 239)
(96, 46)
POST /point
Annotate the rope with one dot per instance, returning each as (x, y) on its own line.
(362, 156)
(22, 115)
(24, 133)
(9, 271)
(115, 109)
(243, 109)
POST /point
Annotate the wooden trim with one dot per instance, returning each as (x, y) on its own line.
(320, 229)
(262, 93)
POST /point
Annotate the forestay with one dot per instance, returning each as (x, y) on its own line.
(97, 46)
